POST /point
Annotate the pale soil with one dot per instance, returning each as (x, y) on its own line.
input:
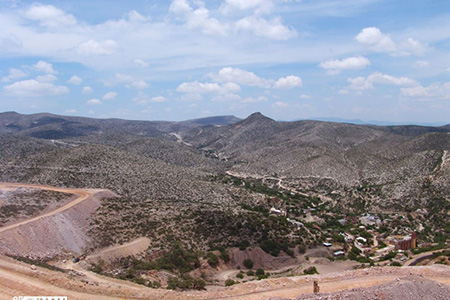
(17, 278)
(60, 231)
(113, 253)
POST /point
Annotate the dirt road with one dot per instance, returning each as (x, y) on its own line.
(82, 195)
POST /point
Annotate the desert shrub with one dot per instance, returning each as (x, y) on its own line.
(310, 271)
(248, 263)
(213, 260)
(229, 282)
(259, 272)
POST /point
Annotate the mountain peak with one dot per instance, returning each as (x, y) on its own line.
(257, 117)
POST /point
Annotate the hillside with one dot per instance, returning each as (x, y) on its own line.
(218, 191)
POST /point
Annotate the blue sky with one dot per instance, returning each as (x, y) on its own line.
(182, 59)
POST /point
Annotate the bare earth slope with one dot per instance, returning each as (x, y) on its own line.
(51, 233)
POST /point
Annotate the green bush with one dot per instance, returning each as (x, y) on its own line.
(229, 282)
(212, 259)
(310, 271)
(248, 263)
(240, 275)
(250, 273)
(259, 272)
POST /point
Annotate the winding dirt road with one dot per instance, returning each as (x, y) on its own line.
(82, 195)
(18, 279)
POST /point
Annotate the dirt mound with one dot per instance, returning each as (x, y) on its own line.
(54, 233)
(410, 287)
(260, 259)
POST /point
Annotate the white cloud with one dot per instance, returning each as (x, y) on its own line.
(435, 90)
(92, 47)
(304, 96)
(239, 5)
(34, 88)
(87, 90)
(198, 18)
(350, 63)
(75, 80)
(134, 16)
(143, 99)
(71, 111)
(281, 104)
(288, 82)
(255, 100)
(388, 79)
(272, 29)
(158, 99)
(361, 83)
(138, 84)
(140, 63)
(94, 102)
(47, 78)
(14, 74)
(414, 47)
(241, 77)
(196, 87)
(109, 96)
(44, 67)
(49, 16)
(248, 78)
(422, 64)
(373, 38)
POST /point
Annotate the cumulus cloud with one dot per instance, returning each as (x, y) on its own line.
(281, 104)
(240, 76)
(75, 80)
(196, 87)
(374, 39)
(135, 16)
(138, 84)
(158, 99)
(44, 67)
(13, 74)
(92, 47)
(47, 78)
(94, 102)
(109, 96)
(34, 88)
(242, 5)
(435, 90)
(272, 29)
(248, 78)
(334, 67)
(197, 18)
(143, 99)
(87, 90)
(361, 83)
(288, 82)
(49, 16)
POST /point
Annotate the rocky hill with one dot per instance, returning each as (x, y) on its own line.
(174, 181)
